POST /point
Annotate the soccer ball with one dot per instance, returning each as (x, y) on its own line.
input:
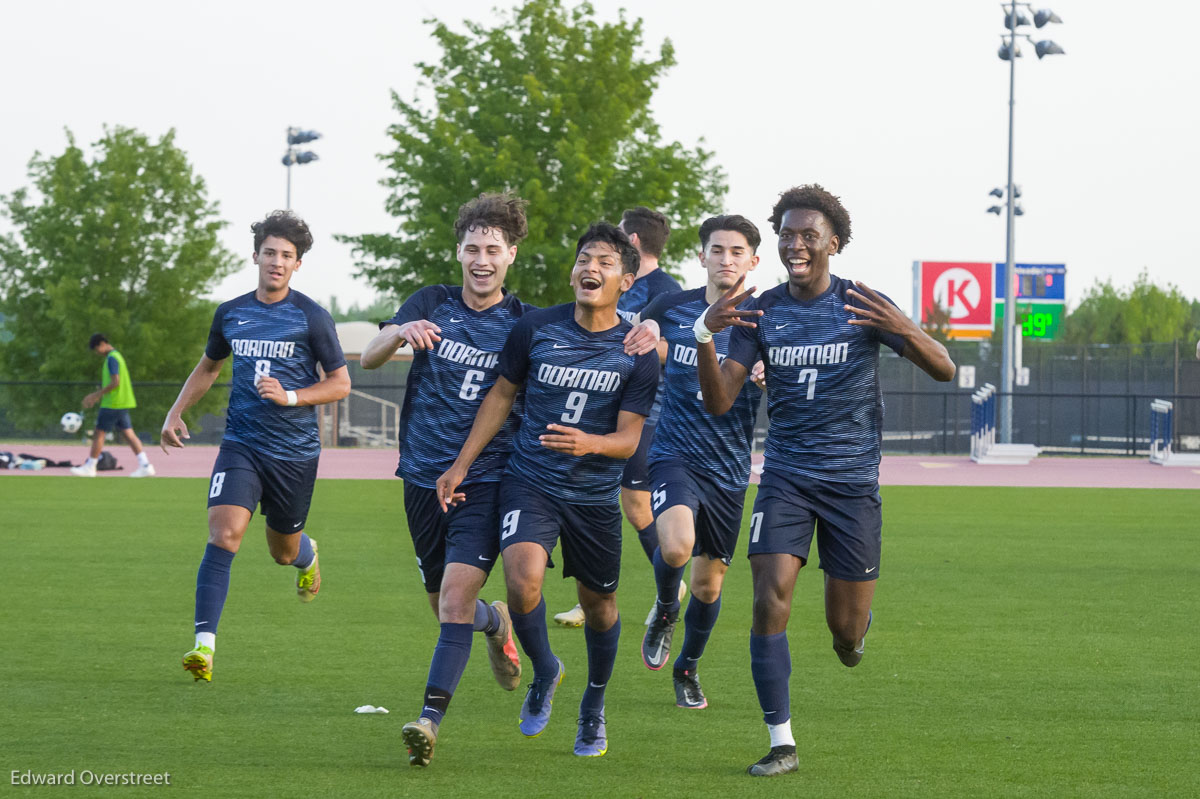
(71, 422)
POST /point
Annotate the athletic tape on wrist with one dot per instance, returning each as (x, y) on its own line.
(703, 334)
(292, 399)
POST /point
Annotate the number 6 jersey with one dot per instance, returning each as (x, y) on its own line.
(575, 378)
(823, 396)
(447, 385)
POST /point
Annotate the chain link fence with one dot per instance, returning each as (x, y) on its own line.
(1084, 400)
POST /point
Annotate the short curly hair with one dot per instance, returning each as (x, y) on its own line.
(284, 225)
(503, 211)
(814, 197)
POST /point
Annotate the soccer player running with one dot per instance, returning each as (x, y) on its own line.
(699, 462)
(648, 231)
(819, 336)
(586, 398)
(116, 400)
(277, 337)
(456, 333)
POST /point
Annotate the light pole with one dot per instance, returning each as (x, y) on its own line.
(1014, 18)
(293, 156)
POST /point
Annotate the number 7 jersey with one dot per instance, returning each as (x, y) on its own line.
(575, 378)
(823, 395)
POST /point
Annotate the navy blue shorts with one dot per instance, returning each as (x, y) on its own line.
(637, 474)
(110, 419)
(244, 477)
(848, 518)
(717, 510)
(467, 533)
(591, 534)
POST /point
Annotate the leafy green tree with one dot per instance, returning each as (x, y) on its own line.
(123, 242)
(1143, 314)
(552, 105)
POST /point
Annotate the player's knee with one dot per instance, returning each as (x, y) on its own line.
(675, 552)
(707, 591)
(226, 538)
(284, 558)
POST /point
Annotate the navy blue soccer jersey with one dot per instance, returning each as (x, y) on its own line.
(823, 395)
(580, 379)
(284, 340)
(447, 385)
(644, 289)
(716, 445)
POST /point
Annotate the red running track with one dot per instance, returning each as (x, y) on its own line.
(922, 470)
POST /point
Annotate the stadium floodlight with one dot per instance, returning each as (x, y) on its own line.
(1043, 16)
(995, 209)
(1020, 18)
(998, 193)
(1006, 50)
(296, 136)
(293, 156)
(1010, 52)
(1047, 47)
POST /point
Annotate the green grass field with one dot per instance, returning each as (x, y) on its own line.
(1027, 642)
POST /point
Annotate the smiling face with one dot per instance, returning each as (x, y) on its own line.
(806, 240)
(727, 257)
(485, 257)
(598, 276)
(276, 261)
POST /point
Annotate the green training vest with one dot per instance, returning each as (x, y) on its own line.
(123, 396)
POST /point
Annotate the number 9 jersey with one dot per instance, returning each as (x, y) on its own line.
(446, 385)
(575, 378)
(823, 396)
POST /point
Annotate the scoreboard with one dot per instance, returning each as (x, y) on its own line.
(964, 293)
(1041, 294)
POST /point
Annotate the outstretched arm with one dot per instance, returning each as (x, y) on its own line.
(721, 382)
(196, 386)
(919, 347)
(420, 333)
(488, 420)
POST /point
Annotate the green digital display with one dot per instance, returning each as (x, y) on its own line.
(1037, 320)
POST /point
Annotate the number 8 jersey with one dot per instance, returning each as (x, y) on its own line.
(576, 378)
(447, 385)
(823, 396)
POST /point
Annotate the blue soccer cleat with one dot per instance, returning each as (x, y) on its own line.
(592, 738)
(535, 710)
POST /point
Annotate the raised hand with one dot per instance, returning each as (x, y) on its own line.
(877, 312)
(724, 312)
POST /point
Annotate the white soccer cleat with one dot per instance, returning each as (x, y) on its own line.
(570, 618)
(143, 471)
(83, 471)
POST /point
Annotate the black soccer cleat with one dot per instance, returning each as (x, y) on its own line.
(780, 760)
(656, 644)
(687, 690)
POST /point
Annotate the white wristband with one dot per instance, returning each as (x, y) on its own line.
(292, 399)
(703, 334)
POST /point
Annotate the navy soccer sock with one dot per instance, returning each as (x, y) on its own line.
(648, 538)
(771, 667)
(305, 558)
(212, 586)
(667, 578)
(530, 629)
(602, 656)
(698, 623)
(449, 660)
(487, 620)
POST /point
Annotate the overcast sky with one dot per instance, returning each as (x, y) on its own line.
(900, 108)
